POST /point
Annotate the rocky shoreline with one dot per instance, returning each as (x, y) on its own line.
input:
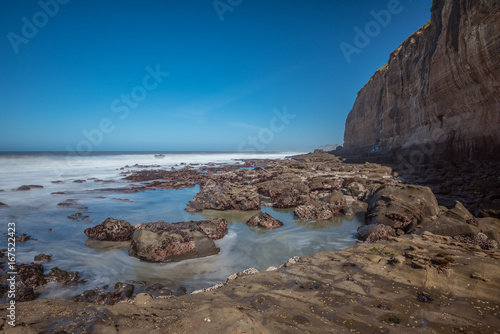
(422, 264)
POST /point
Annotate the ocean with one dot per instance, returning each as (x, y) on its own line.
(36, 213)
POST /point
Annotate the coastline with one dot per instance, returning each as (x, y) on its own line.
(366, 281)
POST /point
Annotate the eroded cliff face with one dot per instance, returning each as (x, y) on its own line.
(439, 94)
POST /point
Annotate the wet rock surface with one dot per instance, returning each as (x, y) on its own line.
(167, 242)
(111, 230)
(265, 220)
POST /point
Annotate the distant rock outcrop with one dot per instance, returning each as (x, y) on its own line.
(439, 94)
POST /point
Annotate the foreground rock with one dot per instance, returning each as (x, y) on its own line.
(166, 242)
(425, 284)
(265, 220)
(111, 230)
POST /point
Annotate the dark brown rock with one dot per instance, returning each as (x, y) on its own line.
(111, 230)
(65, 277)
(43, 258)
(214, 229)
(30, 275)
(122, 292)
(226, 196)
(166, 242)
(264, 220)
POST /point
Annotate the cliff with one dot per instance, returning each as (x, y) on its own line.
(439, 94)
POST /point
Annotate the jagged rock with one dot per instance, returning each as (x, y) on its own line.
(43, 258)
(111, 230)
(317, 210)
(226, 196)
(122, 292)
(30, 275)
(214, 229)
(65, 277)
(23, 238)
(264, 220)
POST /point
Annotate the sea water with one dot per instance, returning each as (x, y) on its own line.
(37, 214)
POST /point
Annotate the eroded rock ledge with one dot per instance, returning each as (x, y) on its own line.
(423, 283)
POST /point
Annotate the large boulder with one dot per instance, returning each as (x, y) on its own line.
(225, 196)
(168, 242)
(401, 206)
(111, 230)
(264, 220)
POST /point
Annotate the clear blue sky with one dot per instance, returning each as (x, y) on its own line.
(228, 70)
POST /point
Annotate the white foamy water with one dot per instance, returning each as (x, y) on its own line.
(36, 213)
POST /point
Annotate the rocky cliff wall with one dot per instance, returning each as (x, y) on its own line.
(439, 94)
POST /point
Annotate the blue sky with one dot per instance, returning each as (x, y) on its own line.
(242, 75)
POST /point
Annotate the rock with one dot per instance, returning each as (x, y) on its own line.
(79, 181)
(43, 258)
(56, 181)
(401, 206)
(249, 271)
(36, 186)
(23, 188)
(3, 205)
(143, 299)
(214, 229)
(72, 203)
(286, 191)
(453, 222)
(374, 233)
(436, 96)
(111, 230)
(489, 209)
(479, 239)
(25, 294)
(264, 220)
(158, 290)
(23, 238)
(65, 277)
(226, 196)
(490, 227)
(30, 275)
(166, 242)
(290, 262)
(122, 292)
(317, 210)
